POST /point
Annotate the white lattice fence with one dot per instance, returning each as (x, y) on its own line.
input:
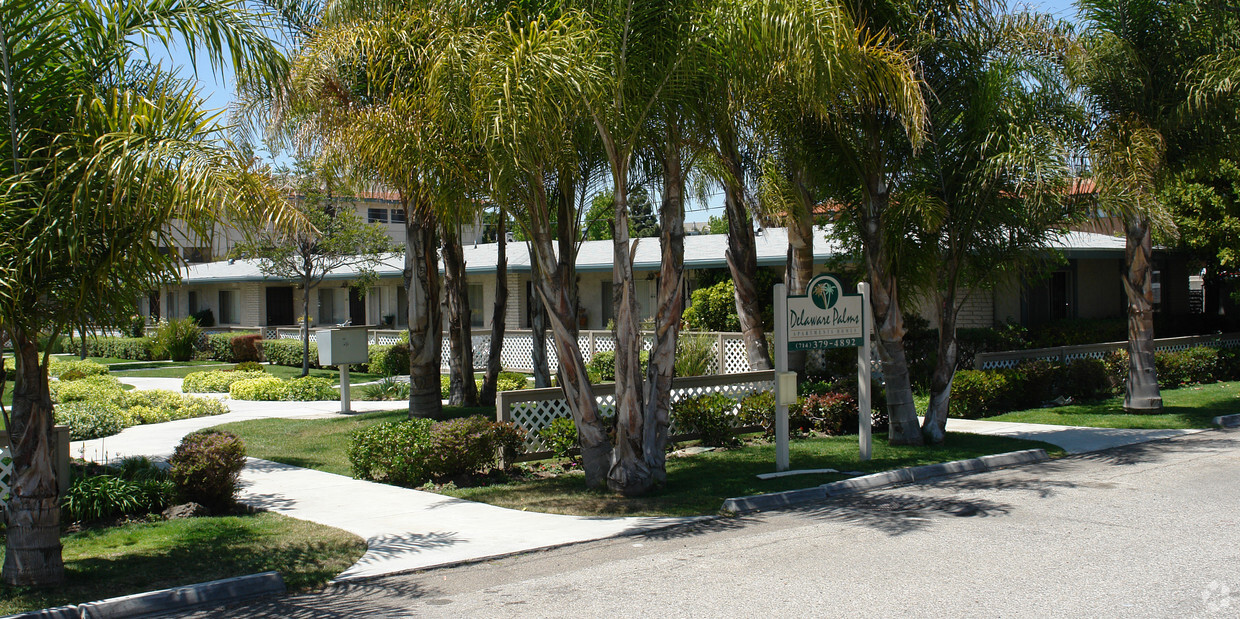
(1011, 358)
(6, 475)
(532, 410)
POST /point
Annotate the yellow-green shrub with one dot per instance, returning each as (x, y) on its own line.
(269, 388)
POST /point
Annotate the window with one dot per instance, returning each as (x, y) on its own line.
(228, 313)
(605, 299)
(377, 215)
(196, 254)
(398, 215)
(1156, 286)
(475, 305)
(193, 301)
(327, 306)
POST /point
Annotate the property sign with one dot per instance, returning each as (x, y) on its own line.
(825, 317)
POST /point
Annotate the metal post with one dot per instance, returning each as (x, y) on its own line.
(864, 374)
(781, 365)
(344, 388)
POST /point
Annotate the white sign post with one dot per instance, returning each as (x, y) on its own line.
(823, 317)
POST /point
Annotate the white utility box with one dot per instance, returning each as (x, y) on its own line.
(785, 388)
(343, 346)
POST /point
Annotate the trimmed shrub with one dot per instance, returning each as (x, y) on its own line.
(1186, 367)
(288, 352)
(833, 413)
(206, 467)
(710, 416)
(246, 348)
(249, 366)
(977, 393)
(389, 360)
(266, 388)
(560, 437)
(176, 339)
(509, 381)
(89, 419)
(468, 446)
(219, 345)
(602, 366)
(392, 452)
(713, 308)
(78, 369)
(1035, 382)
(217, 381)
(758, 409)
(311, 388)
(133, 348)
(1085, 379)
(98, 388)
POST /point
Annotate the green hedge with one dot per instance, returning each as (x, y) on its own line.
(389, 360)
(288, 352)
(135, 348)
(267, 388)
(311, 389)
(415, 451)
(220, 347)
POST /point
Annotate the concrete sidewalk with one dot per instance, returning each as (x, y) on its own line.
(1073, 439)
(404, 529)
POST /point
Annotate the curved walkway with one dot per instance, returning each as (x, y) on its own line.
(404, 529)
(409, 529)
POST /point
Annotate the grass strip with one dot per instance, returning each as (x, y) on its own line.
(140, 557)
(1192, 406)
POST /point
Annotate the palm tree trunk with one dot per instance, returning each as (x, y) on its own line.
(32, 544)
(305, 324)
(421, 275)
(742, 258)
(629, 474)
(487, 396)
(671, 307)
(538, 336)
(934, 426)
(885, 302)
(801, 252)
(1141, 393)
(463, 391)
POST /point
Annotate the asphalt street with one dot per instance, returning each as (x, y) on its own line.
(1151, 530)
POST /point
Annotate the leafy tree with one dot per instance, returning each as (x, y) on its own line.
(642, 220)
(713, 308)
(338, 239)
(1205, 204)
(100, 154)
(717, 224)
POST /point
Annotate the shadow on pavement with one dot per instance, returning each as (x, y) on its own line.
(897, 514)
(693, 529)
(373, 598)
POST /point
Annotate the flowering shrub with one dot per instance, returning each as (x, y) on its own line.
(832, 413)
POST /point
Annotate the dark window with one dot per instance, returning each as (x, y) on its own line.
(398, 215)
(377, 215)
(193, 301)
(228, 315)
(475, 305)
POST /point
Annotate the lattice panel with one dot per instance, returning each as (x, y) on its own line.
(388, 340)
(6, 476)
(553, 357)
(518, 352)
(583, 342)
(737, 360)
(532, 417)
(271, 334)
(604, 343)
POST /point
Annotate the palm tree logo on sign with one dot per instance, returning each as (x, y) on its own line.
(824, 293)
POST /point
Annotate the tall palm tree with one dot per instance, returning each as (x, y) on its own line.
(1151, 71)
(102, 152)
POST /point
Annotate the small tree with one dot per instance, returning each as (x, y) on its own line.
(642, 222)
(339, 239)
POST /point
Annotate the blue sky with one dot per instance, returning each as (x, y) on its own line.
(217, 89)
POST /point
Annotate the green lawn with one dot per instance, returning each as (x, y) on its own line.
(278, 371)
(319, 443)
(1192, 406)
(115, 364)
(696, 484)
(133, 558)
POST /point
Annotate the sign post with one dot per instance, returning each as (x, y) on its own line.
(824, 317)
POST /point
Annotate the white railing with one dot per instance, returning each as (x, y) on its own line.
(518, 353)
(531, 410)
(1010, 358)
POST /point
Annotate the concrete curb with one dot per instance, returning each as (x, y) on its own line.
(788, 498)
(176, 598)
(1227, 421)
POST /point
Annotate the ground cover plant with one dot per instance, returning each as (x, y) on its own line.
(98, 405)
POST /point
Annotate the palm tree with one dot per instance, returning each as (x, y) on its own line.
(102, 152)
(1152, 72)
(989, 185)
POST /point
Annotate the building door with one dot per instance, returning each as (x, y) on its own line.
(152, 302)
(357, 307)
(280, 305)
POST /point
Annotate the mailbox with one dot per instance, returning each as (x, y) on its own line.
(343, 346)
(785, 388)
